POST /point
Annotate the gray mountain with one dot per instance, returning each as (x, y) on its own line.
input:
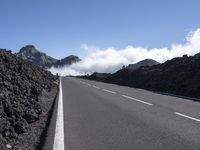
(69, 60)
(41, 59)
(30, 53)
(145, 62)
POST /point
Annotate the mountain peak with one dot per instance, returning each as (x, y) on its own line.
(28, 49)
(30, 46)
(29, 52)
(67, 61)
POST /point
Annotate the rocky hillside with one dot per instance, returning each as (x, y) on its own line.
(145, 62)
(26, 96)
(41, 59)
(180, 76)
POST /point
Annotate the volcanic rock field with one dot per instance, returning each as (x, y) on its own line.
(27, 93)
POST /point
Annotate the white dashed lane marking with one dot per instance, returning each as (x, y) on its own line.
(141, 101)
(96, 87)
(186, 116)
(135, 99)
(109, 91)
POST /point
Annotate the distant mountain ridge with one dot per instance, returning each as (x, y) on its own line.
(29, 52)
(69, 60)
(145, 62)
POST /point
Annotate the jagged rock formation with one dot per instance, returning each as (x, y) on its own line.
(23, 106)
(41, 59)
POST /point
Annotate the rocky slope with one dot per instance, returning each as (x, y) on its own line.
(41, 59)
(180, 76)
(145, 62)
(26, 96)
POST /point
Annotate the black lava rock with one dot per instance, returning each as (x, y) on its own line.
(21, 86)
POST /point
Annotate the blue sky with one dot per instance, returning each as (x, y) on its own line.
(60, 27)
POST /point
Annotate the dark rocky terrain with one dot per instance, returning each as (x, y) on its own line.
(179, 76)
(41, 59)
(27, 93)
(145, 62)
(103, 76)
(98, 76)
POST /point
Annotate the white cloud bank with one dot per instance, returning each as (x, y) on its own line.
(110, 60)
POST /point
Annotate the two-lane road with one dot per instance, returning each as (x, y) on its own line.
(100, 116)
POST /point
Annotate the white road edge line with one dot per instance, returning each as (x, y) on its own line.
(59, 131)
(177, 113)
(88, 84)
(109, 91)
(96, 87)
(137, 100)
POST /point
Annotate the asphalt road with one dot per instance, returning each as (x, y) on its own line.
(100, 116)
